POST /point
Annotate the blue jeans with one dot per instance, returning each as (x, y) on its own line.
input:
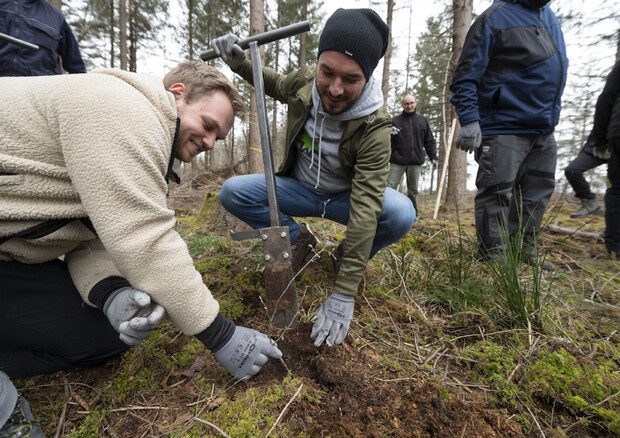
(245, 196)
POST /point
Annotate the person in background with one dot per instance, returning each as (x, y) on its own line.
(507, 90)
(337, 157)
(411, 137)
(89, 256)
(605, 136)
(574, 174)
(37, 22)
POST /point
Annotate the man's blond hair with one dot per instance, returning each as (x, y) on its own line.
(202, 80)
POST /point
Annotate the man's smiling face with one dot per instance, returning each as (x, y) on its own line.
(203, 121)
(339, 81)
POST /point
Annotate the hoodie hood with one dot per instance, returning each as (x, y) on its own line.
(318, 165)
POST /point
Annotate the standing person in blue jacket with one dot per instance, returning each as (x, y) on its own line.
(507, 93)
(37, 22)
(411, 137)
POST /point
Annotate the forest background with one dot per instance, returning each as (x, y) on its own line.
(152, 36)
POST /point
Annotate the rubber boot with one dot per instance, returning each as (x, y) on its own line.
(588, 207)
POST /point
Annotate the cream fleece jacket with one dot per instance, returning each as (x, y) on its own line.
(98, 145)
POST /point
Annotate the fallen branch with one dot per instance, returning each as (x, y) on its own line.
(200, 420)
(574, 232)
(284, 410)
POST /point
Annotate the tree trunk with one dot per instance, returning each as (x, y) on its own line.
(255, 156)
(302, 38)
(457, 165)
(190, 28)
(112, 34)
(276, 150)
(133, 43)
(57, 4)
(385, 86)
(408, 65)
(122, 32)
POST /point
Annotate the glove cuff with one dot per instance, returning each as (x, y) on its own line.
(217, 334)
(342, 297)
(101, 292)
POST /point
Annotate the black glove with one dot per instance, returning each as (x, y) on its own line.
(601, 152)
(470, 137)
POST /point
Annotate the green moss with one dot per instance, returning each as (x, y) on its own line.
(90, 427)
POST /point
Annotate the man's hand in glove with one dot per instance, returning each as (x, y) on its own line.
(601, 152)
(242, 351)
(434, 164)
(246, 352)
(226, 47)
(333, 319)
(469, 137)
(133, 314)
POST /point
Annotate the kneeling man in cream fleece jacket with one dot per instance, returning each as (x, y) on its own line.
(84, 165)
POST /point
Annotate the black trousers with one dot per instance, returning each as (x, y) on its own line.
(574, 173)
(44, 324)
(612, 199)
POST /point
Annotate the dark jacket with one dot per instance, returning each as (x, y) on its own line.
(40, 23)
(364, 155)
(411, 136)
(512, 70)
(607, 114)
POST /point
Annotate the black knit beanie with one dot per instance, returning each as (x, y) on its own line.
(359, 33)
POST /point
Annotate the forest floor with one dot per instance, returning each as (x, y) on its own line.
(432, 351)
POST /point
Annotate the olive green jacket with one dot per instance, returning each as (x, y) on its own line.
(364, 155)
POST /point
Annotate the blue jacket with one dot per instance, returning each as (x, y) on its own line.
(512, 70)
(40, 23)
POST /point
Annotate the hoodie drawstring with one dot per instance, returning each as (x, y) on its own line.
(318, 173)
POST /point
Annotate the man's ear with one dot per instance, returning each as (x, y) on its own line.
(179, 90)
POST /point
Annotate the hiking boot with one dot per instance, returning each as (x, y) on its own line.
(588, 207)
(302, 247)
(21, 423)
(337, 256)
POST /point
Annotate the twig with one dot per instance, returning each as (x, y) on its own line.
(200, 420)
(61, 420)
(607, 399)
(284, 410)
(535, 421)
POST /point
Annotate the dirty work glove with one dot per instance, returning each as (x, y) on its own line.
(469, 137)
(601, 152)
(226, 47)
(133, 314)
(246, 352)
(434, 164)
(333, 319)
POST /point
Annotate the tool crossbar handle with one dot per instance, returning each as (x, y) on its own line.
(264, 38)
(22, 43)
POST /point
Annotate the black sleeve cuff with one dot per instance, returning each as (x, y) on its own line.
(217, 334)
(100, 292)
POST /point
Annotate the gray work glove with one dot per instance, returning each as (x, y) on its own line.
(133, 314)
(434, 164)
(246, 352)
(226, 47)
(469, 137)
(333, 319)
(601, 152)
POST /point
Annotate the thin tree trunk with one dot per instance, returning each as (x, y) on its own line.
(133, 44)
(277, 153)
(257, 25)
(122, 32)
(408, 67)
(111, 33)
(302, 38)
(385, 86)
(190, 29)
(57, 4)
(457, 165)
